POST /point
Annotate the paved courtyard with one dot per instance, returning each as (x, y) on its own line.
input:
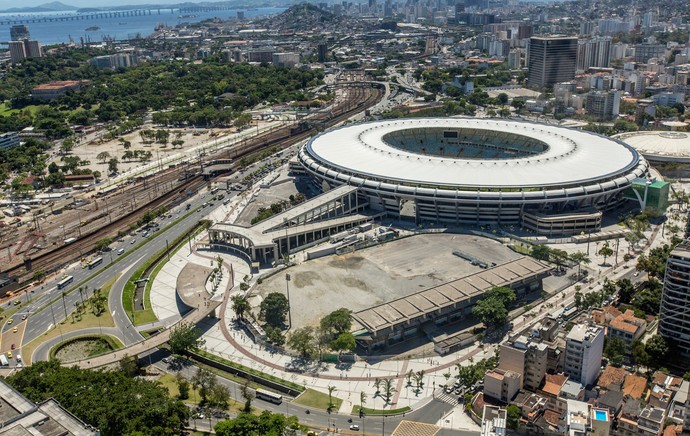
(376, 275)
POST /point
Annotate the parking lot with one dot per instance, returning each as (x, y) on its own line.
(379, 274)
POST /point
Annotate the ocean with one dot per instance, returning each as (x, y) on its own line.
(57, 32)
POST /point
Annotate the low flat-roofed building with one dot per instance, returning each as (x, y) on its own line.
(577, 418)
(55, 89)
(494, 421)
(651, 421)
(501, 385)
(9, 140)
(20, 417)
(401, 319)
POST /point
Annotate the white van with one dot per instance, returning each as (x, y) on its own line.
(18, 357)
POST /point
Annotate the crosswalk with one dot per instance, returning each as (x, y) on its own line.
(448, 398)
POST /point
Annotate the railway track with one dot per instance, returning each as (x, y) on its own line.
(136, 196)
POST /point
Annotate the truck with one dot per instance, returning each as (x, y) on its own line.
(339, 237)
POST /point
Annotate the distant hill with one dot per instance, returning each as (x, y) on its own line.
(46, 7)
(304, 16)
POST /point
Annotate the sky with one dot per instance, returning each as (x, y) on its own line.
(7, 4)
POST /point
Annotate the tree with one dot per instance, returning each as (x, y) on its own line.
(108, 400)
(112, 165)
(388, 390)
(182, 386)
(302, 341)
(273, 309)
(103, 156)
(204, 380)
(240, 305)
(657, 348)
(344, 342)
(102, 244)
(185, 337)
(626, 290)
(275, 336)
(559, 256)
(267, 423)
(337, 322)
(502, 98)
(492, 309)
(128, 365)
(639, 353)
(605, 251)
(331, 389)
(219, 396)
(248, 396)
(514, 413)
(541, 252)
(614, 349)
(580, 257)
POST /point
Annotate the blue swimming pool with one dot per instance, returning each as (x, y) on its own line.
(600, 415)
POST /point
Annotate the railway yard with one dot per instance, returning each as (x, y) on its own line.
(67, 229)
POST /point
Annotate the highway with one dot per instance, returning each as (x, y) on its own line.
(42, 316)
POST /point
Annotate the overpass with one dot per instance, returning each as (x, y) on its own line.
(201, 305)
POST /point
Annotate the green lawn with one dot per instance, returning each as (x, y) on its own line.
(317, 400)
(379, 412)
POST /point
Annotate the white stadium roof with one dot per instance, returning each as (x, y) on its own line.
(572, 156)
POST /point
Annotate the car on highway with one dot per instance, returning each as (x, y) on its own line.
(354, 427)
(133, 241)
(16, 302)
(23, 317)
(18, 358)
(120, 251)
(10, 321)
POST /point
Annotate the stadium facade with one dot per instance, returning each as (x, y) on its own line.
(461, 171)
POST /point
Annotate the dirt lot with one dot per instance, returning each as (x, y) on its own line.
(376, 275)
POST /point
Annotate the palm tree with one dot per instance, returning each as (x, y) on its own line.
(331, 389)
(362, 400)
(580, 257)
(240, 305)
(64, 306)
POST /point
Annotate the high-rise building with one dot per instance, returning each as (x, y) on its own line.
(551, 60)
(24, 49)
(674, 315)
(644, 52)
(584, 347)
(586, 27)
(593, 53)
(514, 59)
(322, 50)
(603, 105)
(19, 32)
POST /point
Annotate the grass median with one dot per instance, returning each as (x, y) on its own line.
(379, 412)
(317, 400)
(87, 320)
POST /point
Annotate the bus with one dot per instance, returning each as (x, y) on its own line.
(94, 263)
(3, 360)
(64, 282)
(269, 396)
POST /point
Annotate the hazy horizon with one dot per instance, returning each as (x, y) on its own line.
(8, 4)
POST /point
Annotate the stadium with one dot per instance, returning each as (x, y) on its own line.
(548, 179)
